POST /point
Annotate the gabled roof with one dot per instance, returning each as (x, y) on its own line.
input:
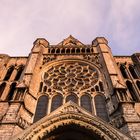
(71, 41)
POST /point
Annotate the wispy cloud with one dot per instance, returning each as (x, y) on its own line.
(22, 22)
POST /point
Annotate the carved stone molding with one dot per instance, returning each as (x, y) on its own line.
(93, 58)
(47, 59)
(23, 123)
(118, 122)
(70, 115)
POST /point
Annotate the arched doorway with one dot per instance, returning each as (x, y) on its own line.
(72, 132)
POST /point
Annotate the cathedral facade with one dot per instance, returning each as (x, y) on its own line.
(70, 91)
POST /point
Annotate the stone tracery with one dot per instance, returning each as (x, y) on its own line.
(71, 76)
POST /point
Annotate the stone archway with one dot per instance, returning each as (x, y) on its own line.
(70, 122)
(72, 132)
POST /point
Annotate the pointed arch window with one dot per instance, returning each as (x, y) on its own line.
(2, 87)
(42, 108)
(56, 102)
(101, 86)
(133, 72)
(72, 98)
(9, 73)
(86, 102)
(19, 72)
(123, 71)
(100, 106)
(132, 91)
(11, 91)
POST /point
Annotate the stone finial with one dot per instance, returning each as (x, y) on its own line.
(41, 41)
(99, 40)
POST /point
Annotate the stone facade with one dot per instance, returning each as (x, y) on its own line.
(70, 90)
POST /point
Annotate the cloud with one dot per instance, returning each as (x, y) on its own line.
(24, 21)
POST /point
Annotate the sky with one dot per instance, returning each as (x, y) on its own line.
(23, 21)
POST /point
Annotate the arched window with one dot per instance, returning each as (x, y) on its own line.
(78, 50)
(2, 87)
(63, 51)
(123, 71)
(88, 50)
(52, 50)
(42, 108)
(101, 86)
(138, 84)
(44, 88)
(100, 106)
(58, 50)
(11, 91)
(96, 88)
(86, 102)
(133, 72)
(40, 87)
(8, 74)
(67, 50)
(132, 91)
(73, 50)
(56, 102)
(83, 50)
(72, 98)
(19, 72)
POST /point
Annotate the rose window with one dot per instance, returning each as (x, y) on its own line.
(71, 76)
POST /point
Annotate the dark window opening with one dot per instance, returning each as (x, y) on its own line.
(77, 50)
(45, 89)
(11, 91)
(88, 50)
(53, 51)
(19, 72)
(9, 73)
(41, 85)
(63, 51)
(83, 50)
(133, 72)
(67, 50)
(138, 84)
(73, 50)
(132, 91)
(2, 87)
(101, 86)
(58, 51)
(96, 88)
(123, 71)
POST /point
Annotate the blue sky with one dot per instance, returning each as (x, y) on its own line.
(22, 21)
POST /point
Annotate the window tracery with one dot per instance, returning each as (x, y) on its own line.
(71, 76)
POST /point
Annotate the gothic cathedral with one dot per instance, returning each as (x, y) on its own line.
(70, 91)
